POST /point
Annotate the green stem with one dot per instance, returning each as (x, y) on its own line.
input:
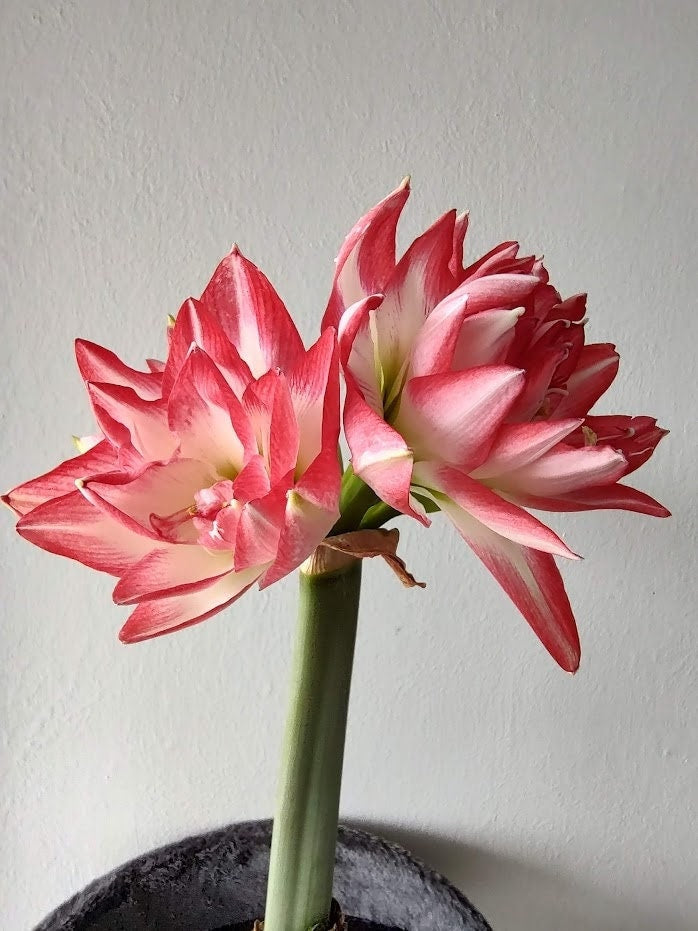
(301, 868)
(378, 515)
(356, 498)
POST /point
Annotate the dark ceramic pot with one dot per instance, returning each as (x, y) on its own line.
(216, 882)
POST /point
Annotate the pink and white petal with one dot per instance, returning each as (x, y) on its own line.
(420, 281)
(435, 343)
(305, 526)
(599, 497)
(61, 480)
(252, 314)
(495, 291)
(596, 369)
(314, 388)
(155, 366)
(565, 468)
(367, 257)
(253, 481)
(258, 404)
(206, 416)
(172, 570)
(145, 422)
(489, 508)
(284, 439)
(130, 460)
(116, 434)
(459, 231)
(358, 351)
(321, 482)
(257, 530)
(635, 437)
(195, 325)
(539, 373)
(158, 491)
(165, 615)
(423, 273)
(180, 334)
(454, 417)
(269, 406)
(485, 338)
(98, 364)
(641, 447)
(289, 524)
(496, 259)
(71, 526)
(532, 581)
(380, 456)
(91, 494)
(517, 444)
(354, 320)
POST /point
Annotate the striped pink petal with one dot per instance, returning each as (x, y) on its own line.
(367, 257)
(196, 326)
(435, 344)
(613, 496)
(596, 369)
(130, 418)
(310, 513)
(314, 389)
(358, 352)
(485, 338)
(518, 444)
(252, 315)
(421, 279)
(532, 581)
(256, 529)
(380, 455)
(98, 364)
(454, 417)
(459, 231)
(565, 468)
(170, 571)
(71, 526)
(61, 480)
(158, 492)
(489, 508)
(494, 261)
(207, 418)
(165, 615)
(496, 291)
(269, 406)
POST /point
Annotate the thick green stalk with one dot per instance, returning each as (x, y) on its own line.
(356, 498)
(299, 892)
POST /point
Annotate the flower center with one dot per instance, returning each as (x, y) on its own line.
(172, 526)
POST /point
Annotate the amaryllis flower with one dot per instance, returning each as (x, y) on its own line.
(469, 390)
(211, 471)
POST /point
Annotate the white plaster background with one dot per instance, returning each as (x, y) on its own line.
(139, 140)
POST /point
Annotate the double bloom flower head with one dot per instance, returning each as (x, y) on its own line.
(467, 390)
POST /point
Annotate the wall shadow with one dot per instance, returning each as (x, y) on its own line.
(519, 896)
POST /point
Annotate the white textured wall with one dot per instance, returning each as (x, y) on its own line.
(140, 139)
